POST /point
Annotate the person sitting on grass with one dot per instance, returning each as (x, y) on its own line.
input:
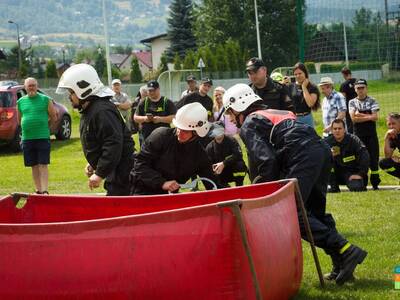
(350, 159)
(391, 162)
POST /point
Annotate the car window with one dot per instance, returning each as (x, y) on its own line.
(21, 93)
(5, 99)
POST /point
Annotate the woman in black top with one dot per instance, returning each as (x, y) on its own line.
(304, 95)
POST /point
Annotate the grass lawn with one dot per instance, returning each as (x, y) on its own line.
(370, 219)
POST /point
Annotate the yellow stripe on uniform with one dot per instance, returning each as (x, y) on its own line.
(239, 174)
(344, 248)
(349, 158)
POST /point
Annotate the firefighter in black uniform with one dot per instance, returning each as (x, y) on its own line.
(274, 94)
(106, 141)
(226, 156)
(279, 147)
(347, 89)
(171, 156)
(391, 162)
(350, 159)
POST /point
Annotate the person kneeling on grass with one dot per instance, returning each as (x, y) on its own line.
(170, 156)
(350, 159)
(226, 156)
(280, 147)
(391, 162)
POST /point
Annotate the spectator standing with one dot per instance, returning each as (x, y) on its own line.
(192, 86)
(347, 89)
(280, 147)
(350, 159)
(121, 101)
(219, 115)
(274, 94)
(106, 141)
(391, 162)
(34, 112)
(333, 104)
(304, 94)
(140, 96)
(201, 97)
(364, 113)
(153, 111)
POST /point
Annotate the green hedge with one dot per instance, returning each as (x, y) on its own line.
(310, 67)
(354, 66)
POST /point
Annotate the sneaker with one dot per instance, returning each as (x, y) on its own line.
(350, 259)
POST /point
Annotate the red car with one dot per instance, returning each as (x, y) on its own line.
(10, 131)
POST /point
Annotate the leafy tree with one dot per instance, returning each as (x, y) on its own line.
(163, 64)
(221, 58)
(40, 73)
(189, 61)
(51, 70)
(136, 74)
(100, 63)
(180, 30)
(177, 62)
(220, 20)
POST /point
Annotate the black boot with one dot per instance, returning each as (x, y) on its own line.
(375, 181)
(336, 263)
(350, 259)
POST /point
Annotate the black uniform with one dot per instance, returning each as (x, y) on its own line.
(274, 95)
(351, 158)
(388, 164)
(163, 158)
(299, 103)
(107, 144)
(279, 147)
(229, 152)
(163, 107)
(206, 101)
(347, 88)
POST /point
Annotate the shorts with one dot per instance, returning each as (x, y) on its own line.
(36, 152)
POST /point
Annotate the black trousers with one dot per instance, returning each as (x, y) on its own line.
(372, 145)
(311, 166)
(390, 166)
(341, 176)
(234, 173)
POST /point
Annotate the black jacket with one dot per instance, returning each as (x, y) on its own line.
(274, 95)
(272, 147)
(107, 143)
(163, 158)
(352, 155)
(228, 151)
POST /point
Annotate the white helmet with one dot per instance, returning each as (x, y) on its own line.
(192, 116)
(239, 97)
(84, 81)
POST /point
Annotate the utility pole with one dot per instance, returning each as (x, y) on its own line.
(257, 30)
(19, 49)
(107, 45)
(300, 28)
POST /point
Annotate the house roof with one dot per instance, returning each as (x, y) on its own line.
(150, 39)
(144, 57)
(118, 59)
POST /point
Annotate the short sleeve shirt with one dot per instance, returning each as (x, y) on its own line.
(331, 106)
(206, 101)
(366, 106)
(347, 88)
(34, 117)
(163, 107)
(296, 94)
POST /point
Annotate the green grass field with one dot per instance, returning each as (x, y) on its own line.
(370, 219)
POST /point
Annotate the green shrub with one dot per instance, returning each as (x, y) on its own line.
(310, 67)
